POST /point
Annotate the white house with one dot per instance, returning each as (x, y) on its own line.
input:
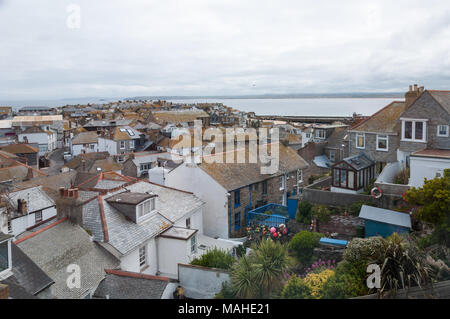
(150, 228)
(46, 139)
(84, 142)
(428, 164)
(26, 208)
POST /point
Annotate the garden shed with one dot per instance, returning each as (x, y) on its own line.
(384, 222)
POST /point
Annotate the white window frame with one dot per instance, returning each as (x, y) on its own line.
(321, 135)
(413, 132)
(121, 145)
(193, 244)
(143, 256)
(446, 129)
(383, 137)
(364, 141)
(299, 176)
(131, 144)
(282, 182)
(36, 219)
(334, 155)
(144, 209)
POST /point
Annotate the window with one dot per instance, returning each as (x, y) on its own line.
(414, 130)
(146, 207)
(4, 256)
(382, 142)
(122, 144)
(237, 198)
(264, 187)
(142, 257)
(308, 135)
(257, 187)
(131, 144)
(237, 220)
(188, 223)
(299, 176)
(92, 146)
(9, 227)
(360, 140)
(38, 217)
(442, 130)
(332, 155)
(194, 244)
(282, 182)
(320, 134)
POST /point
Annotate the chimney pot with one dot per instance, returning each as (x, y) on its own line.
(410, 88)
(415, 88)
(61, 191)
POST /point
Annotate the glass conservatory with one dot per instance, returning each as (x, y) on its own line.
(352, 174)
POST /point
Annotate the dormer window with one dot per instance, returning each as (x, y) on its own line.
(145, 208)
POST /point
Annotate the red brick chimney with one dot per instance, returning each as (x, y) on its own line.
(412, 95)
(30, 174)
(68, 205)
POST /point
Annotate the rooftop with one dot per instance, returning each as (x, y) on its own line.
(435, 153)
(383, 121)
(385, 216)
(129, 198)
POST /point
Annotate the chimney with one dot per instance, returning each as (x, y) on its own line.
(29, 174)
(4, 291)
(68, 205)
(412, 95)
(132, 156)
(21, 206)
(83, 165)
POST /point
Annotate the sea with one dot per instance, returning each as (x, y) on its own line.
(261, 106)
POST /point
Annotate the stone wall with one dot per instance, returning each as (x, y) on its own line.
(370, 148)
(345, 226)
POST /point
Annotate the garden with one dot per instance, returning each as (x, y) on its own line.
(281, 263)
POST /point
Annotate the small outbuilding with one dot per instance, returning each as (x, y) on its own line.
(384, 222)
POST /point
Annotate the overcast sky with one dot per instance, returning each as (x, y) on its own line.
(212, 47)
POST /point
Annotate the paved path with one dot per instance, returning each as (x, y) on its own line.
(56, 162)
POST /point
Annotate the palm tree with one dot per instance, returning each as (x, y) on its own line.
(261, 274)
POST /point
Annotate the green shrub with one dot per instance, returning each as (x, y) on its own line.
(226, 292)
(303, 244)
(363, 249)
(322, 213)
(304, 213)
(296, 289)
(215, 258)
(348, 281)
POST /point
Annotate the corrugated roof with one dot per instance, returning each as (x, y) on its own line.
(385, 216)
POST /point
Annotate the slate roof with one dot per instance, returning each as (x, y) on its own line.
(61, 245)
(125, 285)
(359, 161)
(179, 116)
(85, 138)
(105, 123)
(442, 97)
(16, 291)
(125, 133)
(383, 121)
(385, 216)
(27, 274)
(236, 175)
(124, 234)
(36, 198)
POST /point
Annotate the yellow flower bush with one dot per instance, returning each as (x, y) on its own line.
(316, 281)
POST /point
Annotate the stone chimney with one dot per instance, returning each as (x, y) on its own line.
(132, 156)
(83, 165)
(412, 95)
(68, 205)
(4, 291)
(22, 206)
(30, 174)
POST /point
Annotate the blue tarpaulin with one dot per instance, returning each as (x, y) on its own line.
(331, 241)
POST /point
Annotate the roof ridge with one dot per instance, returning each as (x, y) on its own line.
(130, 274)
(103, 219)
(376, 113)
(39, 231)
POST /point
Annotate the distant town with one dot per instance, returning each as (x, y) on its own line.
(144, 198)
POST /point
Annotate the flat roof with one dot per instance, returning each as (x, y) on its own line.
(436, 153)
(129, 198)
(179, 233)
